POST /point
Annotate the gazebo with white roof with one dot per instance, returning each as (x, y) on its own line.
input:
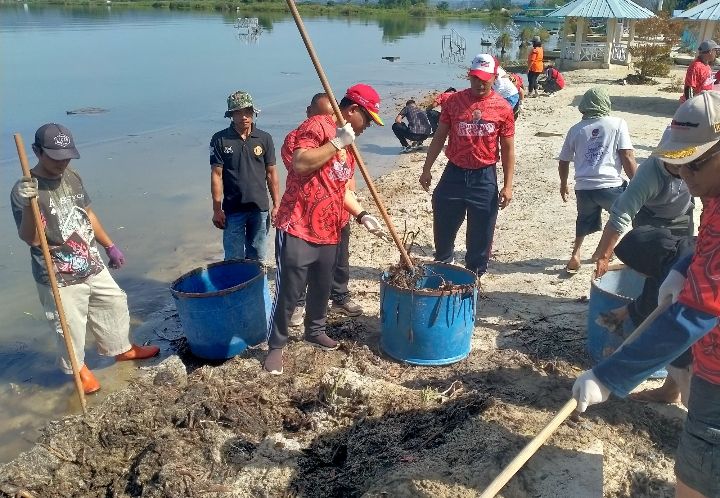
(581, 53)
(707, 14)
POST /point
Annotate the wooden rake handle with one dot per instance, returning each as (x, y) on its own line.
(51, 274)
(529, 450)
(341, 121)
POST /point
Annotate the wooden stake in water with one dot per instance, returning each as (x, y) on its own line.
(51, 274)
(341, 121)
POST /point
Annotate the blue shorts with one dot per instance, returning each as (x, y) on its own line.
(697, 461)
(513, 100)
(590, 204)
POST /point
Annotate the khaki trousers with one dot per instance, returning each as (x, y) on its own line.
(96, 305)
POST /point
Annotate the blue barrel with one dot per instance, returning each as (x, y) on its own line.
(223, 307)
(426, 325)
(613, 290)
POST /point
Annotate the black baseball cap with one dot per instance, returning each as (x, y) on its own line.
(56, 141)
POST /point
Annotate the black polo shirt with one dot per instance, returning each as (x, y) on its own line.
(244, 164)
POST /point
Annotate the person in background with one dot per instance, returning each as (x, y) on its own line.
(91, 299)
(535, 66)
(693, 286)
(311, 217)
(518, 82)
(601, 148)
(339, 292)
(434, 115)
(242, 163)
(698, 77)
(506, 88)
(417, 128)
(554, 80)
(481, 130)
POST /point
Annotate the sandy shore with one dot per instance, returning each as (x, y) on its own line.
(354, 422)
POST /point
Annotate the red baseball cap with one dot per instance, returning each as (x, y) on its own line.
(483, 66)
(366, 97)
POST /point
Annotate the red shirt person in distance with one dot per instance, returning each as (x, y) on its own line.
(698, 77)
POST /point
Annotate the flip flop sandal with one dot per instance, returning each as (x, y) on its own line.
(571, 271)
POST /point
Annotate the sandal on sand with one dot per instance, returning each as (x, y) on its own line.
(571, 271)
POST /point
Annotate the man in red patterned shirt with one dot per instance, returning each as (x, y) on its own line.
(693, 285)
(481, 128)
(311, 217)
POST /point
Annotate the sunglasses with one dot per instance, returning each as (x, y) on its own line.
(697, 164)
(368, 118)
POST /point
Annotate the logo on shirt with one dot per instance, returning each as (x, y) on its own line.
(228, 150)
(476, 129)
(258, 150)
(339, 171)
(595, 132)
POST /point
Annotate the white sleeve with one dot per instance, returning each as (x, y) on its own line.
(567, 153)
(624, 141)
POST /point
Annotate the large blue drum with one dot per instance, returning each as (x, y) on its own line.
(223, 307)
(426, 325)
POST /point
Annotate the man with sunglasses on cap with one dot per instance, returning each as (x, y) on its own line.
(693, 144)
(698, 77)
(311, 217)
(481, 128)
(242, 161)
(91, 299)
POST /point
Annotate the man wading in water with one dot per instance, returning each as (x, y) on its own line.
(92, 300)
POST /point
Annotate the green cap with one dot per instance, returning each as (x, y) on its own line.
(239, 100)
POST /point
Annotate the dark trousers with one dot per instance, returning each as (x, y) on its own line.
(532, 81)
(300, 262)
(403, 133)
(339, 292)
(434, 118)
(459, 192)
(653, 252)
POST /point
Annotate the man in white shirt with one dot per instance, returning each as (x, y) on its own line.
(505, 87)
(601, 148)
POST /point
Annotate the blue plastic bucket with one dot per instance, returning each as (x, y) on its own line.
(425, 325)
(223, 307)
(613, 290)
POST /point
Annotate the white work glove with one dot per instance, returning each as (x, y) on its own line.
(27, 188)
(343, 136)
(373, 226)
(671, 287)
(588, 390)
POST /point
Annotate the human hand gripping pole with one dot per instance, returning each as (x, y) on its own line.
(24, 187)
(589, 390)
(405, 259)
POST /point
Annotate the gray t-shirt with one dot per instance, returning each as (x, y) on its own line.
(69, 233)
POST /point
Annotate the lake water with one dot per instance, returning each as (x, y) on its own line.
(163, 78)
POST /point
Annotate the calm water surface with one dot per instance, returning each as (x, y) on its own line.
(163, 78)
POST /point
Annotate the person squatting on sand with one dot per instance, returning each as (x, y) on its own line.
(693, 143)
(600, 147)
(339, 292)
(242, 163)
(481, 130)
(416, 130)
(91, 299)
(311, 216)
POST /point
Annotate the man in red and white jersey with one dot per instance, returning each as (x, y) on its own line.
(481, 128)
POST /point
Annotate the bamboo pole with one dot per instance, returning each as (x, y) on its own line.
(341, 122)
(529, 450)
(51, 274)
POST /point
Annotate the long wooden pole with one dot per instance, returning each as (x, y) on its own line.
(51, 274)
(529, 450)
(341, 121)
